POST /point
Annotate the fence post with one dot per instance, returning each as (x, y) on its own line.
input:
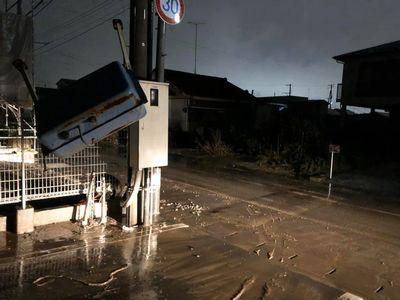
(21, 131)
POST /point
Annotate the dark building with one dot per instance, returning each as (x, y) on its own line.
(199, 101)
(267, 108)
(371, 78)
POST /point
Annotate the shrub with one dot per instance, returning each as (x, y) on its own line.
(215, 146)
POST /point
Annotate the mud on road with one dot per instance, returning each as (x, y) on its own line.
(221, 235)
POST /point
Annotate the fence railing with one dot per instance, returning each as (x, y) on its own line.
(23, 176)
(20, 181)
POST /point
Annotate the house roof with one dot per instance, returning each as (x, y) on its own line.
(392, 47)
(205, 86)
(281, 99)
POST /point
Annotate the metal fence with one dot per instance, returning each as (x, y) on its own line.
(62, 177)
(27, 175)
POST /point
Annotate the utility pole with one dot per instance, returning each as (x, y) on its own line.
(160, 58)
(19, 7)
(290, 89)
(138, 55)
(150, 35)
(330, 97)
(138, 37)
(144, 178)
(196, 24)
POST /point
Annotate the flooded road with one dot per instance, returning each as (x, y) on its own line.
(351, 243)
(222, 235)
(165, 262)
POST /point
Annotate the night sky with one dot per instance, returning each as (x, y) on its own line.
(260, 45)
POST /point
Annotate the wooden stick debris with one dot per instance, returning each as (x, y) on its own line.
(232, 234)
(270, 255)
(331, 272)
(44, 280)
(260, 245)
(244, 288)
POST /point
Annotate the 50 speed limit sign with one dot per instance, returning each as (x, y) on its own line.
(171, 11)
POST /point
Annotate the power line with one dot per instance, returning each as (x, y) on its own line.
(43, 8)
(34, 7)
(79, 17)
(82, 33)
(71, 33)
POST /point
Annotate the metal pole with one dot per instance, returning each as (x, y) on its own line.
(138, 44)
(331, 172)
(290, 89)
(118, 26)
(150, 35)
(160, 60)
(6, 115)
(196, 24)
(138, 53)
(20, 121)
(195, 50)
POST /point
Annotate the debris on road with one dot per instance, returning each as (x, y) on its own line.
(257, 251)
(232, 234)
(379, 289)
(260, 245)
(42, 281)
(330, 272)
(293, 256)
(245, 285)
(195, 209)
(270, 255)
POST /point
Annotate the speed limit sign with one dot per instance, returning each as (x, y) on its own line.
(171, 11)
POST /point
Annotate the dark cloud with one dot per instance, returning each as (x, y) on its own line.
(258, 44)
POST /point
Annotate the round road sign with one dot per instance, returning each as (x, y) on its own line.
(171, 11)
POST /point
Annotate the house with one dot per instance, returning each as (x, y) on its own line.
(371, 78)
(267, 109)
(198, 102)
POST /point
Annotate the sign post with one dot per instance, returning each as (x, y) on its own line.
(171, 11)
(333, 149)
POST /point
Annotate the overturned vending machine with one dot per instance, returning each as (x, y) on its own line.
(85, 111)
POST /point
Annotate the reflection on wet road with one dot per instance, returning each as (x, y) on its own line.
(83, 257)
(222, 235)
(165, 262)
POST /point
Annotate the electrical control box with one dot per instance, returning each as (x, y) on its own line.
(149, 136)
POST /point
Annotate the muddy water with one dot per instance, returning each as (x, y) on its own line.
(337, 243)
(245, 239)
(166, 262)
